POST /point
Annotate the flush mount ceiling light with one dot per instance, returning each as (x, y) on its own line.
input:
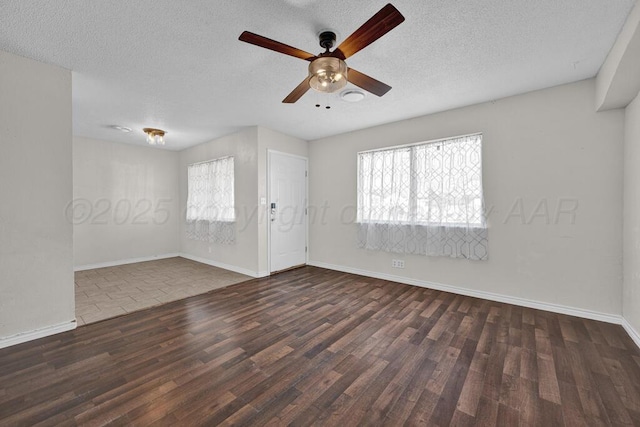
(154, 136)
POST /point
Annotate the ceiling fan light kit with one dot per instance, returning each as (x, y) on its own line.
(328, 71)
(327, 74)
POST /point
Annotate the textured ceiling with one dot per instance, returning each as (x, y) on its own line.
(178, 64)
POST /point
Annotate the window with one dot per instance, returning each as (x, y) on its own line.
(210, 200)
(411, 198)
(432, 183)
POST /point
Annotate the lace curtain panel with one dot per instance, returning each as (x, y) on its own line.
(210, 201)
(423, 199)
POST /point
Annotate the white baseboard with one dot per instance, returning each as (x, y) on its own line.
(555, 308)
(240, 270)
(635, 336)
(124, 261)
(38, 333)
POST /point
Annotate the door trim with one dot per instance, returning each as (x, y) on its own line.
(306, 217)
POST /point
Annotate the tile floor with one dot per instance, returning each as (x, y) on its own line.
(111, 291)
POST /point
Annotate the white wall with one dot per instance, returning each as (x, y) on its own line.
(36, 258)
(113, 183)
(249, 147)
(125, 202)
(243, 255)
(544, 150)
(631, 287)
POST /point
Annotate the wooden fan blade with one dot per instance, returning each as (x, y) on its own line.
(267, 43)
(297, 93)
(367, 83)
(377, 26)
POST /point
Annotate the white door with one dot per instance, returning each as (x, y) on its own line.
(288, 211)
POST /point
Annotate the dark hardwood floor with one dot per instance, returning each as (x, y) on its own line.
(313, 346)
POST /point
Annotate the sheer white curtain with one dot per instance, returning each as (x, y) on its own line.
(423, 199)
(210, 201)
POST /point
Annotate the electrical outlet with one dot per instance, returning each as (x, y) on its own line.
(397, 263)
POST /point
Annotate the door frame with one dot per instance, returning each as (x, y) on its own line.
(270, 153)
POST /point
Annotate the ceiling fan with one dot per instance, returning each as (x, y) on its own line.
(327, 71)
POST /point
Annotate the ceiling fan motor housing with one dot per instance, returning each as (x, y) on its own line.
(327, 39)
